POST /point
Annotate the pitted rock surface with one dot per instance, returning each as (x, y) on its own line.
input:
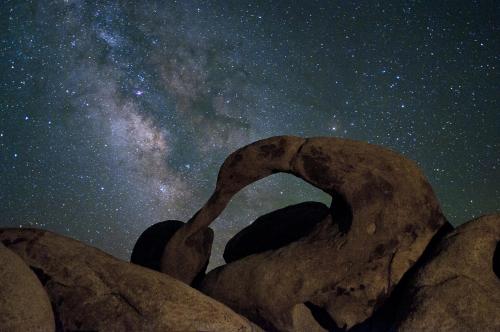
(384, 214)
(91, 290)
(457, 289)
(24, 304)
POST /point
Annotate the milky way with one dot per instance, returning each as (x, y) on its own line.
(114, 116)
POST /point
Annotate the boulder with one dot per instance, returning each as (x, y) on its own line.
(149, 247)
(384, 319)
(384, 213)
(91, 290)
(151, 243)
(275, 230)
(24, 304)
(458, 286)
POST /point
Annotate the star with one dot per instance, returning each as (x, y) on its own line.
(122, 116)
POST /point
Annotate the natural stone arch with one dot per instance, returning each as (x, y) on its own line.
(394, 213)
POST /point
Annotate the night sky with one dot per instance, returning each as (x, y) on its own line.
(115, 116)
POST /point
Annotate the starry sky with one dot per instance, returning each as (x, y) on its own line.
(117, 115)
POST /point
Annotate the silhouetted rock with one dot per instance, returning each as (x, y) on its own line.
(151, 243)
(384, 215)
(149, 247)
(275, 230)
(24, 304)
(457, 289)
(91, 290)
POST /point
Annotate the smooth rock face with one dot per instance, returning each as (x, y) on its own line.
(384, 214)
(149, 247)
(91, 290)
(275, 230)
(457, 289)
(24, 304)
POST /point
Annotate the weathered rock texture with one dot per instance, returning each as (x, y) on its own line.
(24, 304)
(385, 213)
(275, 230)
(385, 318)
(91, 290)
(457, 289)
(149, 247)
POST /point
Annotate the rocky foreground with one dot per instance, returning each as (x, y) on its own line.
(382, 257)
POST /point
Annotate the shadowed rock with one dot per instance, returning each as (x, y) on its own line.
(151, 243)
(384, 215)
(24, 304)
(91, 290)
(275, 230)
(457, 288)
(385, 318)
(149, 247)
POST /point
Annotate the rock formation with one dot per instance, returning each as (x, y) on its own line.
(381, 258)
(149, 247)
(275, 230)
(24, 304)
(151, 243)
(384, 214)
(458, 286)
(91, 290)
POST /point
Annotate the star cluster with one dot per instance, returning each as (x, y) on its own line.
(117, 115)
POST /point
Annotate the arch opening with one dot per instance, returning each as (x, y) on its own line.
(285, 205)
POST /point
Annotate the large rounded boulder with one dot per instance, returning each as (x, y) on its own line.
(149, 247)
(458, 286)
(151, 243)
(275, 230)
(24, 304)
(383, 214)
(91, 290)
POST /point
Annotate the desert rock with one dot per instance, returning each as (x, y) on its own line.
(384, 215)
(149, 247)
(150, 244)
(458, 287)
(24, 304)
(91, 290)
(275, 230)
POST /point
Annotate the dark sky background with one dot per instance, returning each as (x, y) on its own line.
(117, 115)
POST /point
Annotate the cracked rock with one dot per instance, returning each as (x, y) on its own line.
(383, 214)
(24, 304)
(91, 290)
(457, 288)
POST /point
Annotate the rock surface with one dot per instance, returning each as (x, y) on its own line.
(275, 230)
(384, 214)
(24, 304)
(457, 289)
(149, 247)
(151, 243)
(91, 290)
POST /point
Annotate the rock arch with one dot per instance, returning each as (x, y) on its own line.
(349, 268)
